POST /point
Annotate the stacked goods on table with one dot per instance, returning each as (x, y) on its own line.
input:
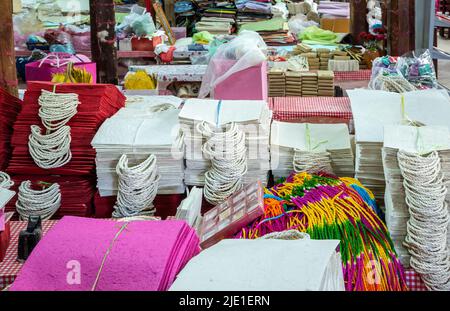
(414, 140)
(326, 83)
(51, 146)
(253, 11)
(334, 9)
(9, 109)
(342, 61)
(310, 87)
(310, 147)
(293, 83)
(324, 57)
(307, 51)
(217, 18)
(372, 110)
(277, 82)
(274, 31)
(219, 132)
(102, 248)
(327, 207)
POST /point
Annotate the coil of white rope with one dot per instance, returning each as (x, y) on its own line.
(312, 162)
(57, 109)
(138, 186)
(396, 84)
(42, 203)
(52, 150)
(426, 238)
(228, 154)
(5, 180)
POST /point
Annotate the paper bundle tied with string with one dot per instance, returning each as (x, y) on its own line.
(265, 264)
(310, 147)
(372, 110)
(422, 142)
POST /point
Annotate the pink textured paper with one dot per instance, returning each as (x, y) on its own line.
(146, 256)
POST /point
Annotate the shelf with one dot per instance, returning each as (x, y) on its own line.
(441, 22)
(120, 54)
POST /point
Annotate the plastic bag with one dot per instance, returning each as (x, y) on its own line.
(248, 49)
(418, 68)
(138, 21)
(300, 22)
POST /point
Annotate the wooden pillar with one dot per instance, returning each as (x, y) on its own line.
(358, 16)
(400, 26)
(103, 40)
(8, 73)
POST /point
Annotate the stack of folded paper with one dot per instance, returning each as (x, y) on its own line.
(417, 140)
(253, 11)
(310, 87)
(324, 56)
(334, 9)
(113, 256)
(141, 129)
(372, 110)
(252, 117)
(325, 83)
(9, 109)
(286, 139)
(274, 31)
(293, 83)
(342, 61)
(5, 196)
(247, 265)
(277, 82)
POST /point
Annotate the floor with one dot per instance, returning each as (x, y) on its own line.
(444, 65)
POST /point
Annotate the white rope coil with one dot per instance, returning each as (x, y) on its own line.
(42, 203)
(52, 150)
(5, 180)
(228, 154)
(138, 186)
(396, 84)
(312, 162)
(426, 238)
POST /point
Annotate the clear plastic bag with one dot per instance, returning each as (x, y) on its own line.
(248, 49)
(138, 21)
(299, 22)
(418, 68)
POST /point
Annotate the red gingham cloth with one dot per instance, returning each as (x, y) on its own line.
(294, 108)
(414, 281)
(10, 267)
(352, 75)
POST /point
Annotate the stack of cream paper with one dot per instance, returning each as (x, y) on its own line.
(286, 138)
(252, 116)
(144, 127)
(372, 110)
(269, 265)
(417, 140)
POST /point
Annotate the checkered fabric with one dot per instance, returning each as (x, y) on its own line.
(414, 281)
(294, 108)
(352, 75)
(10, 267)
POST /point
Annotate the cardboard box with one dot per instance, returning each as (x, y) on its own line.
(338, 25)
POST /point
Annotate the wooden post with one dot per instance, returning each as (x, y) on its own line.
(400, 26)
(103, 40)
(358, 16)
(8, 73)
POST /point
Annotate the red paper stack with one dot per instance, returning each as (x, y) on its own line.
(9, 109)
(76, 178)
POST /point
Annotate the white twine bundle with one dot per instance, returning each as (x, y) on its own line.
(52, 149)
(426, 238)
(312, 162)
(5, 181)
(396, 84)
(138, 186)
(42, 203)
(227, 151)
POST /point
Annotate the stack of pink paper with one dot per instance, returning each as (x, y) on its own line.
(9, 109)
(143, 255)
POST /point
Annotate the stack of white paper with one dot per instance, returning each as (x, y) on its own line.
(372, 110)
(252, 116)
(142, 128)
(286, 138)
(273, 265)
(417, 140)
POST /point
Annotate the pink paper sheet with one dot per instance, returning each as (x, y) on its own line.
(146, 256)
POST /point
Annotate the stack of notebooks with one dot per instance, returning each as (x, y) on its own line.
(252, 116)
(325, 81)
(277, 82)
(406, 138)
(310, 87)
(9, 109)
(286, 138)
(293, 83)
(372, 110)
(76, 178)
(324, 57)
(131, 131)
(253, 11)
(274, 32)
(140, 247)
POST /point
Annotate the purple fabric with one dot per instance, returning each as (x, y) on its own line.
(338, 9)
(146, 256)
